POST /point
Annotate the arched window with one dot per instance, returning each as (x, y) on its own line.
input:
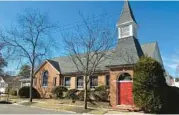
(45, 78)
(124, 77)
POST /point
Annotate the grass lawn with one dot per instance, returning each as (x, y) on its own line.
(67, 105)
(63, 105)
(51, 104)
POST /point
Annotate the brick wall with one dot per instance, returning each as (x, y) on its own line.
(46, 91)
(114, 74)
(52, 72)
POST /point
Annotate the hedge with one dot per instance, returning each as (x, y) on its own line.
(25, 91)
(148, 85)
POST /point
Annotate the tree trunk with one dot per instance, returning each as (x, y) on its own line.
(31, 83)
(85, 93)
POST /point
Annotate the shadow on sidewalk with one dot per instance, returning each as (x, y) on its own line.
(5, 102)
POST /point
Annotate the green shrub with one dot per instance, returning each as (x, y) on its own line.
(58, 91)
(90, 95)
(71, 93)
(101, 88)
(24, 92)
(101, 93)
(148, 83)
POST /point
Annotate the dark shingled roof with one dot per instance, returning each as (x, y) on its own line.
(126, 14)
(130, 47)
(55, 64)
(12, 81)
(149, 48)
(7, 78)
(128, 51)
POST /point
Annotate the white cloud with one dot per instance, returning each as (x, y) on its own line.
(172, 66)
(175, 59)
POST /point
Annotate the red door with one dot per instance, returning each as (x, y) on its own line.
(125, 96)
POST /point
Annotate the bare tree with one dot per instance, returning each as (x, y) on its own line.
(127, 55)
(30, 40)
(88, 46)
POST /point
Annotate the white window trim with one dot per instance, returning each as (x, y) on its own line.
(93, 87)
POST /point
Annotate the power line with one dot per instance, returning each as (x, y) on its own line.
(80, 23)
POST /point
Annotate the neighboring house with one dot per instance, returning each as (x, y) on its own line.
(24, 81)
(176, 83)
(10, 82)
(115, 72)
(169, 79)
(3, 84)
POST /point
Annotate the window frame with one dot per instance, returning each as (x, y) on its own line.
(92, 83)
(45, 83)
(80, 87)
(69, 81)
(54, 81)
(107, 80)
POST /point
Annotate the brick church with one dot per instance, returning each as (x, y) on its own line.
(116, 72)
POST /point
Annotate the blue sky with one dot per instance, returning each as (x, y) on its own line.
(158, 21)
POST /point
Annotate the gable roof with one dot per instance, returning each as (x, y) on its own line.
(55, 64)
(65, 65)
(126, 14)
(149, 48)
(7, 78)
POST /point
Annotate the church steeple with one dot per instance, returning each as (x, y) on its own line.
(126, 14)
(127, 25)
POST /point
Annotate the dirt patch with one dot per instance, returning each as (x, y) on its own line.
(28, 103)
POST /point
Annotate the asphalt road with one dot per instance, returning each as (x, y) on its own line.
(17, 109)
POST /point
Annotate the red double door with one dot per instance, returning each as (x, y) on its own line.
(125, 96)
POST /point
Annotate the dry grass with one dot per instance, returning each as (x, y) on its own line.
(57, 107)
(78, 103)
(63, 104)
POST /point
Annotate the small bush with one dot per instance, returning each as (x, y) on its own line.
(101, 93)
(71, 93)
(24, 92)
(58, 91)
(101, 88)
(90, 95)
(13, 92)
(7, 90)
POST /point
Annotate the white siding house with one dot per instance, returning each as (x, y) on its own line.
(3, 85)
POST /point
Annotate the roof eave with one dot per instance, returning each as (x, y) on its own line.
(80, 73)
(120, 66)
